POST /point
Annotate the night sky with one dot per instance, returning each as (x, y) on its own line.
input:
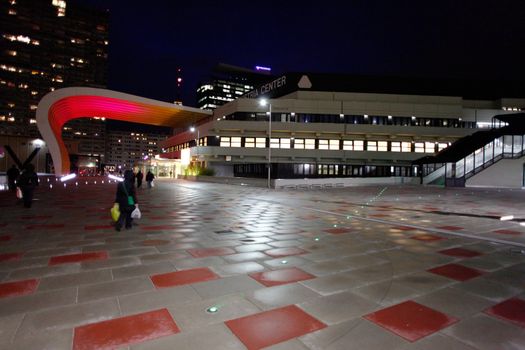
(430, 39)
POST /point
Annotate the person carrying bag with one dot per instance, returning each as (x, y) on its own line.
(126, 199)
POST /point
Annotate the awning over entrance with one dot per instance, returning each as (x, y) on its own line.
(60, 106)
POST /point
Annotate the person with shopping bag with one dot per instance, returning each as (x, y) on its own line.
(126, 199)
(27, 182)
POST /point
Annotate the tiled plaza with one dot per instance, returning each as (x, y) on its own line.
(213, 266)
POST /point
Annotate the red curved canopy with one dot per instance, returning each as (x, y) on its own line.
(60, 106)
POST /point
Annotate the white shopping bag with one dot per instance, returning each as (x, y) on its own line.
(136, 214)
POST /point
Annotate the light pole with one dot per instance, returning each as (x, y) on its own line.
(265, 102)
(192, 129)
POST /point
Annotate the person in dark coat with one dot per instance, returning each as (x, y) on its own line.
(125, 190)
(27, 181)
(149, 178)
(12, 175)
(139, 177)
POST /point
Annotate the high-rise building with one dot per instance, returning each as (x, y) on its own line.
(47, 45)
(228, 83)
(127, 148)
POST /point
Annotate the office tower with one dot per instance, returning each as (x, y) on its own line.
(229, 82)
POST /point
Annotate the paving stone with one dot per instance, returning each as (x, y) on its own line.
(114, 288)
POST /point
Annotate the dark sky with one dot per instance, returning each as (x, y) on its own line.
(445, 39)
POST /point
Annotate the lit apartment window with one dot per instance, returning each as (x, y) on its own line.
(235, 142)
(309, 143)
(371, 146)
(382, 146)
(359, 145)
(419, 147)
(274, 143)
(323, 144)
(249, 142)
(395, 146)
(333, 145)
(285, 143)
(299, 144)
(225, 141)
(430, 147)
(406, 147)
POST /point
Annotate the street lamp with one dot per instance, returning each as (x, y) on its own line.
(192, 129)
(264, 102)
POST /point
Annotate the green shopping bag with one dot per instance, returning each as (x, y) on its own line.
(115, 212)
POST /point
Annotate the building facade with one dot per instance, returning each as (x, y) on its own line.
(126, 149)
(228, 83)
(47, 45)
(328, 127)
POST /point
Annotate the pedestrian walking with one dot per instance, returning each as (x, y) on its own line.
(126, 199)
(149, 178)
(12, 175)
(27, 181)
(139, 177)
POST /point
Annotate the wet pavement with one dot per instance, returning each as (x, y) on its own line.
(212, 266)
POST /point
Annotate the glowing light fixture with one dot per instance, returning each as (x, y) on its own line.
(506, 217)
(68, 177)
(116, 178)
(212, 309)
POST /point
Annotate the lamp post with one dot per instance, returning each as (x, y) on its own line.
(265, 102)
(192, 129)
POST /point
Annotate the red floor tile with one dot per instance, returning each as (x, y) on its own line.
(278, 277)
(405, 228)
(450, 228)
(44, 227)
(75, 258)
(5, 238)
(338, 231)
(512, 310)
(507, 232)
(97, 227)
(204, 252)
(18, 288)
(460, 252)
(273, 327)
(456, 272)
(427, 237)
(120, 332)
(411, 320)
(179, 278)
(10, 256)
(35, 217)
(280, 252)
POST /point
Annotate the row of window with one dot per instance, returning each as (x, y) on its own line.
(353, 119)
(311, 170)
(326, 144)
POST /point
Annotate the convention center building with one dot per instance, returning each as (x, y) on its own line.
(315, 126)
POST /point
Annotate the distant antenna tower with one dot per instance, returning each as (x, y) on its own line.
(178, 92)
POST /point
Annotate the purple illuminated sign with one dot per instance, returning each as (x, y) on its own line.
(267, 69)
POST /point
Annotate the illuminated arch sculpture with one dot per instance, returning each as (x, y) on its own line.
(60, 106)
